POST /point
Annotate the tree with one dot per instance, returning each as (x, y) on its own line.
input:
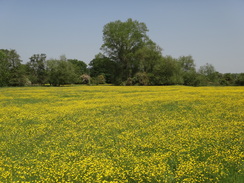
(36, 69)
(167, 72)
(188, 70)
(147, 57)
(121, 42)
(209, 74)
(240, 79)
(187, 63)
(79, 66)
(4, 70)
(61, 72)
(102, 65)
(11, 68)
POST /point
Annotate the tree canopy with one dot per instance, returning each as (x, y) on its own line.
(124, 43)
(129, 57)
(11, 71)
(36, 68)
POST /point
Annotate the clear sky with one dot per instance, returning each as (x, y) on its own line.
(211, 31)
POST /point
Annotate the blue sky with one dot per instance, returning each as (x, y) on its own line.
(211, 31)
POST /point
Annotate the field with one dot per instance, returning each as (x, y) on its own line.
(122, 134)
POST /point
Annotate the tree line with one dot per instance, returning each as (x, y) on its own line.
(129, 57)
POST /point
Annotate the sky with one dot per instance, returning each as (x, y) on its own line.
(211, 31)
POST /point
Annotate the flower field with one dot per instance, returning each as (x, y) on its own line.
(122, 134)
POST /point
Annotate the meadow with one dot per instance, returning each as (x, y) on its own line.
(167, 134)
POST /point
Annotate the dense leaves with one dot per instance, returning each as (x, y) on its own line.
(102, 65)
(124, 43)
(36, 69)
(60, 72)
(11, 70)
(129, 57)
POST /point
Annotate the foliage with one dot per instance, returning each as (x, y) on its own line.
(240, 80)
(187, 63)
(101, 79)
(61, 72)
(12, 72)
(80, 68)
(36, 69)
(167, 72)
(147, 57)
(188, 70)
(122, 134)
(129, 57)
(209, 74)
(86, 79)
(102, 65)
(123, 44)
(4, 69)
(141, 78)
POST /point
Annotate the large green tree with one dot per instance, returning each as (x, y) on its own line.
(61, 72)
(147, 57)
(11, 69)
(123, 42)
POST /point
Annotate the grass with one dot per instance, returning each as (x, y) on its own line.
(122, 134)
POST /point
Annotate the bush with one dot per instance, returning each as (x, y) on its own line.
(141, 78)
(101, 79)
(86, 79)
